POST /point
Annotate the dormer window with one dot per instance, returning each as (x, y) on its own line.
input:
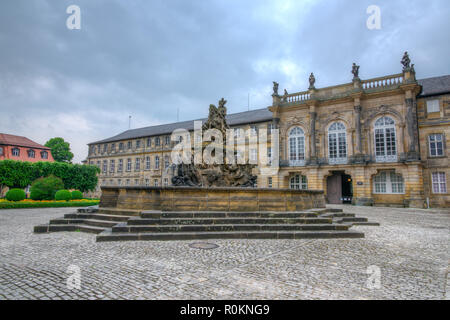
(44, 154)
(16, 152)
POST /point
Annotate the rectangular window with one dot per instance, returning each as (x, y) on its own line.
(137, 165)
(157, 141)
(166, 182)
(120, 168)
(147, 182)
(156, 162)
(436, 143)
(129, 144)
(149, 142)
(15, 152)
(121, 146)
(113, 147)
(105, 166)
(253, 155)
(136, 182)
(128, 164)
(111, 166)
(167, 140)
(253, 130)
(156, 182)
(269, 155)
(269, 182)
(119, 182)
(439, 182)
(138, 143)
(388, 182)
(433, 106)
(128, 182)
(147, 163)
(166, 162)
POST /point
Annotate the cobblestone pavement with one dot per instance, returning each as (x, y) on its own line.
(410, 248)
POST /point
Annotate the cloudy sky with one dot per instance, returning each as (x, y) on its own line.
(150, 58)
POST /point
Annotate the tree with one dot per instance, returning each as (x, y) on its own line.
(60, 149)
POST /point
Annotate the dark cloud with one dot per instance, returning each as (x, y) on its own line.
(152, 58)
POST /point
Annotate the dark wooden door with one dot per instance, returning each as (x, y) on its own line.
(334, 189)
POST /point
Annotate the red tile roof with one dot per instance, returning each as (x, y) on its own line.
(9, 139)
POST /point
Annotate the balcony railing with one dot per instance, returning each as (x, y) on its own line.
(296, 97)
(382, 82)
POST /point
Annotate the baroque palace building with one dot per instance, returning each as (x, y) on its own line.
(379, 141)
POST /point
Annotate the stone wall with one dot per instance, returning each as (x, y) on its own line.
(210, 199)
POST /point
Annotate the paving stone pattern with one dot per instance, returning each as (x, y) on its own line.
(410, 248)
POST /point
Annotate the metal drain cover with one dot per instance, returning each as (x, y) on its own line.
(203, 245)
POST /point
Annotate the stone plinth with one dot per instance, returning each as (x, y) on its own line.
(211, 199)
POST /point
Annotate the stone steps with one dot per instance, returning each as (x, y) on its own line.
(119, 212)
(109, 236)
(68, 227)
(216, 214)
(197, 221)
(123, 228)
(97, 216)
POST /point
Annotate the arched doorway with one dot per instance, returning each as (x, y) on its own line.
(339, 188)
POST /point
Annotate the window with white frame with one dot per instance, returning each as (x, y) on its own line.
(385, 144)
(337, 143)
(147, 163)
(149, 142)
(44, 154)
(296, 147)
(128, 182)
(299, 182)
(433, 106)
(120, 166)
(166, 182)
(167, 140)
(253, 130)
(128, 164)
(439, 182)
(112, 165)
(137, 166)
(156, 182)
(156, 162)
(166, 162)
(136, 182)
(105, 166)
(16, 152)
(388, 182)
(31, 153)
(157, 141)
(147, 182)
(253, 155)
(436, 144)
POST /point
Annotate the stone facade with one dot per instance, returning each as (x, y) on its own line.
(364, 142)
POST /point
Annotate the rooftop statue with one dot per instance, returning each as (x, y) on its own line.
(312, 81)
(355, 71)
(406, 61)
(275, 88)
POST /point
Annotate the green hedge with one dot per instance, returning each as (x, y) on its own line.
(25, 205)
(63, 195)
(15, 195)
(46, 188)
(77, 195)
(20, 174)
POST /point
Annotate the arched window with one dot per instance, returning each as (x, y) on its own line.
(337, 143)
(385, 146)
(299, 182)
(296, 147)
(31, 153)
